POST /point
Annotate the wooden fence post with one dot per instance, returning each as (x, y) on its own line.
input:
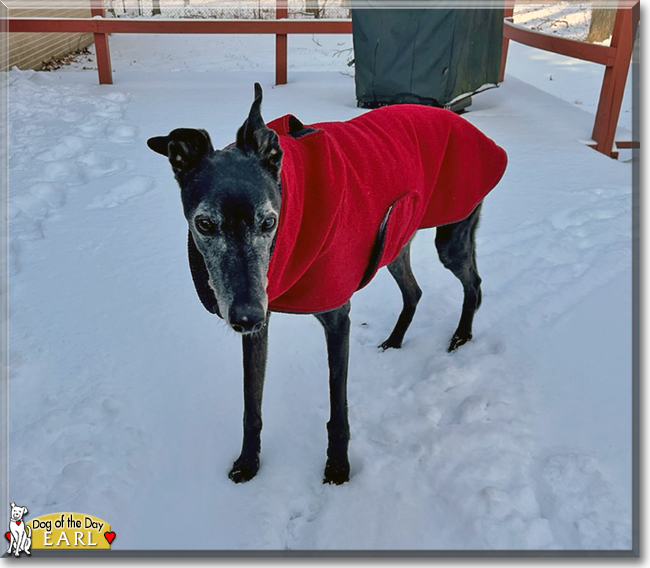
(102, 50)
(281, 11)
(611, 94)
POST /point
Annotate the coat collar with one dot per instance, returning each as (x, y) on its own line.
(308, 213)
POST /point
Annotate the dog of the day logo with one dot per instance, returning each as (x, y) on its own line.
(56, 531)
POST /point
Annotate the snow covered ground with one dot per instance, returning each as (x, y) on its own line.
(125, 395)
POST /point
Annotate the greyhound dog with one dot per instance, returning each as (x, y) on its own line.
(252, 250)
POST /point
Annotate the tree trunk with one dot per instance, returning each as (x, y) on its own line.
(602, 23)
(311, 7)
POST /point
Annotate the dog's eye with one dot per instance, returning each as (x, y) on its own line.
(205, 226)
(268, 224)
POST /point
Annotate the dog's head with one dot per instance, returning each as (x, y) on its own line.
(17, 513)
(231, 200)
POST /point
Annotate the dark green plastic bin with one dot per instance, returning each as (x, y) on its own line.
(438, 57)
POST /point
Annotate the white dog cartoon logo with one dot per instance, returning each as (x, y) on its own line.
(21, 536)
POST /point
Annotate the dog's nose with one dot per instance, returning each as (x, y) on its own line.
(246, 318)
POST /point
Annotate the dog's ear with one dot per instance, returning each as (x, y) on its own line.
(254, 137)
(184, 147)
(12, 505)
(25, 511)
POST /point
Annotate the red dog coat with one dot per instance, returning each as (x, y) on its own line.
(354, 192)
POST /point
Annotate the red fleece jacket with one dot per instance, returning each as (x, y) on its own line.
(354, 192)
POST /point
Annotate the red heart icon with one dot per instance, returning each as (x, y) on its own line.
(18, 522)
(109, 536)
(8, 535)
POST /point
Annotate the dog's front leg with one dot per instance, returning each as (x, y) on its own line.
(21, 544)
(337, 334)
(254, 347)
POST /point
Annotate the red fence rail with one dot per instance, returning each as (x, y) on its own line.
(158, 26)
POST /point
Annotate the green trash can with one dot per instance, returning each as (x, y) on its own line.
(438, 57)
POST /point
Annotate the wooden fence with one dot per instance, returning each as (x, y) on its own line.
(101, 27)
(616, 57)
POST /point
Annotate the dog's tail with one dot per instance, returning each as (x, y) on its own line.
(28, 528)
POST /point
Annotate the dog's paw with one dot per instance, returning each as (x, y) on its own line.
(457, 340)
(244, 470)
(390, 344)
(336, 472)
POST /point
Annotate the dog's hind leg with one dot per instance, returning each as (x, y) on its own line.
(400, 268)
(337, 334)
(457, 251)
(255, 348)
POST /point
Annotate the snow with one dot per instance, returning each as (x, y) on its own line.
(125, 396)
(565, 19)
